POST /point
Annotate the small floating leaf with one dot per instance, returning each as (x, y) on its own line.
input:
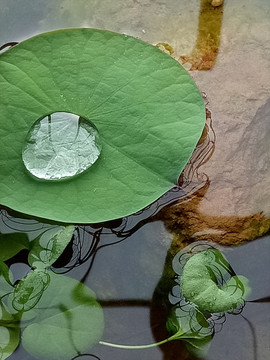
(145, 106)
(47, 247)
(200, 283)
(63, 326)
(206, 288)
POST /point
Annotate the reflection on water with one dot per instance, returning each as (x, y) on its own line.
(185, 218)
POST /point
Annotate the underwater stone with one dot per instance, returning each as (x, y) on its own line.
(61, 145)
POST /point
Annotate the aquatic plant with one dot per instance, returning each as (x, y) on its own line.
(207, 287)
(145, 107)
(200, 283)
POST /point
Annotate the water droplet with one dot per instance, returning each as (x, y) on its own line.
(61, 145)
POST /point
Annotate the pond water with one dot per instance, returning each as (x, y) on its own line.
(224, 193)
(124, 263)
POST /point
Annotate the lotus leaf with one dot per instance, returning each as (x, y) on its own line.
(147, 109)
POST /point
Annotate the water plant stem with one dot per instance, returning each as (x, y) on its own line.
(137, 347)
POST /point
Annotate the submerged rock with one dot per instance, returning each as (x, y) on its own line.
(188, 224)
(201, 215)
(234, 206)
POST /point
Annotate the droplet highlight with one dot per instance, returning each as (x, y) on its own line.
(61, 145)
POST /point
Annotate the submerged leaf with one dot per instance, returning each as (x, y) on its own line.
(29, 290)
(9, 333)
(63, 326)
(145, 106)
(9, 340)
(198, 347)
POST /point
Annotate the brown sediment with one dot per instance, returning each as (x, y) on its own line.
(188, 224)
(204, 54)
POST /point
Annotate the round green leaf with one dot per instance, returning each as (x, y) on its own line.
(145, 106)
(65, 322)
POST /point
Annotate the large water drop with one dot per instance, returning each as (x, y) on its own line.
(61, 145)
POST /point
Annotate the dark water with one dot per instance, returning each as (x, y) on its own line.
(123, 263)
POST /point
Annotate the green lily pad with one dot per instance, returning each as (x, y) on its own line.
(145, 106)
(200, 283)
